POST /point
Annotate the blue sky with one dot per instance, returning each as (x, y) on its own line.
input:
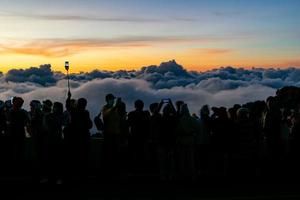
(266, 28)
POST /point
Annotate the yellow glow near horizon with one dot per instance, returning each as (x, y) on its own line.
(135, 58)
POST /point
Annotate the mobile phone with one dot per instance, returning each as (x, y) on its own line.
(165, 100)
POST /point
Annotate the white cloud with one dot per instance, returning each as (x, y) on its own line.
(224, 86)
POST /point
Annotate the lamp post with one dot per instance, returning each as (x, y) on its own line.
(67, 66)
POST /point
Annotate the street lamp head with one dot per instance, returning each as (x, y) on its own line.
(67, 65)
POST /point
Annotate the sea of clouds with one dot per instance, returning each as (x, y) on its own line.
(224, 86)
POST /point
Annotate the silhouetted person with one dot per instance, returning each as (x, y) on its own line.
(112, 135)
(40, 136)
(203, 141)
(3, 138)
(122, 165)
(7, 153)
(53, 123)
(222, 129)
(81, 124)
(294, 143)
(186, 130)
(2, 118)
(68, 139)
(36, 131)
(138, 122)
(36, 119)
(16, 122)
(167, 142)
(246, 146)
(271, 122)
(99, 123)
(155, 124)
(272, 135)
(70, 108)
(178, 107)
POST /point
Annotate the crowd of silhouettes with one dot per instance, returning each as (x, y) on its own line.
(168, 142)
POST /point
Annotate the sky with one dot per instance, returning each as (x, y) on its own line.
(129, 34)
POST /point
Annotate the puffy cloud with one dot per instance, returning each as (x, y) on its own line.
(41, 75)
(131, 89)
(169, 75)
(217, 84)
(224, 86)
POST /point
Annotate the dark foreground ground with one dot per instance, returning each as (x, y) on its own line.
(145, 188)
(26, 186)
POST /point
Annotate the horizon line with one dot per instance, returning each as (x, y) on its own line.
(187, 68)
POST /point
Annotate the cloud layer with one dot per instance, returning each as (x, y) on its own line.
(225, 86)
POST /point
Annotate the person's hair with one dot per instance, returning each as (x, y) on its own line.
(81, 103)
(222, 112)
(204, 111)
(122, 108)
(270, 98)
(232, 113)
(2, 104)
(17, 102)
(139, 104)
(242, 113)
(271, 102)
(184, 110)
(167, 110)
(58, 107)
(47, 105)
(179, 104)
(35, 105)
(153, 107)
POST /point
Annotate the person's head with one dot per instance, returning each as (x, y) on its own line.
(242, 114)
(167, 110)
(232, 113)
(178, 105)
(110, 99)
(122, 108)
(2, 105)
(8, 104)
(215, 110)
(58, 108)
(139, 104)
(35, 105)
(223, 113)
(81, 104)
(153, 107)
(271, 102)
(298, 106)
(73, 104)
(47, 106)
(184, 110)
(236, 106)
(204, 111)
(194, 115)
(17, 103)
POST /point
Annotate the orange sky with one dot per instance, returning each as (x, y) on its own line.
(113, 35)
(87, 58)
